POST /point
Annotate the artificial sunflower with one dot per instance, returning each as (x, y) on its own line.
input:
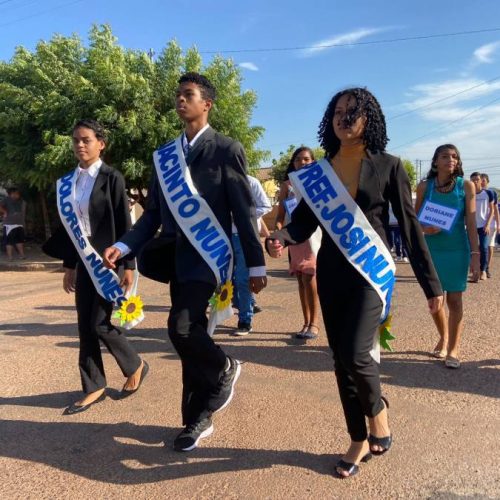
(222, 297)
(130, 310)
(385, 334)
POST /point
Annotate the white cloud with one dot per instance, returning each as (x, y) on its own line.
(484, 54)
(345, 38)
(249, 65)
(455, 121)
(463, 90)
(464, 111)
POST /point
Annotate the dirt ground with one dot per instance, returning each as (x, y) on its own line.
(284, 431)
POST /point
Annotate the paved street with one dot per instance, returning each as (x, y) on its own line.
(283, 433)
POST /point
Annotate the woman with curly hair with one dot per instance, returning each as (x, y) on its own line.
(355, 271)
(302, 256)
(451, 250)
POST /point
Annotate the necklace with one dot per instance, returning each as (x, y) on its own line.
(446, 187)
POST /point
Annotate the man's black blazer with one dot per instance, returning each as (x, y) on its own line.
(382, 179)
(109, 219)
(218, 168)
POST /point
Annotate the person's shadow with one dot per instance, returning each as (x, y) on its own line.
(432, 374)
(124, 453)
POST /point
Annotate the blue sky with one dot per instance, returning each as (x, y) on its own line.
(294, 86)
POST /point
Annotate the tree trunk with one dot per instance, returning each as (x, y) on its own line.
(45, 215)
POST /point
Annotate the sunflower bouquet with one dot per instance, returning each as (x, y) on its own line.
(222, 297)
(130, 312)
(385, 333)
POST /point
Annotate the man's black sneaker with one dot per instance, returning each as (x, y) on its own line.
(225, 388)
(243, 329)
(257, 309)
(189, 438)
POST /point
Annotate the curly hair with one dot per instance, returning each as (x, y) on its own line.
(434, 171)
(94, 125)
(374, 135)
(207, 90)
(291, 167)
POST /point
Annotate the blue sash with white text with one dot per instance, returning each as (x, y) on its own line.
(106, 281)
(349, 228)
(198, 223)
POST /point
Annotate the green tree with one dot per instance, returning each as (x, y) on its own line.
(43, 93)
(280, 164)
(411, 171)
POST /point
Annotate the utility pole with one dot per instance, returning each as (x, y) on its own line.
(418, 170)
(151, 54)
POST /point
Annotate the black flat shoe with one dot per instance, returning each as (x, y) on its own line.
(125, 393)
(74, 408)
(383, 442)
(351, 469)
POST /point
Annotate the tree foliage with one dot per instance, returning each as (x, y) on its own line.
(281, 163)
(411, 171)
(43, 93)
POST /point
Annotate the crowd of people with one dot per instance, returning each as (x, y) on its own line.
(203, 215)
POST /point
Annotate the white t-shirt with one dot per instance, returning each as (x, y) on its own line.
(483, 200)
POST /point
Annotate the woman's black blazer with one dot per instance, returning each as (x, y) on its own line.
(383, 179)
(109, 219)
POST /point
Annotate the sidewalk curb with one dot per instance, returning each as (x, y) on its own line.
(30, 266)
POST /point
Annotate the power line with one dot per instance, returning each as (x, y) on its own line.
(443, 98)
(56, 7)
(413, 110)
(18, 5)
(352, 44)
(448, 124)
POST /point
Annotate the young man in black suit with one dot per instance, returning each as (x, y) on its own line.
(217, 166)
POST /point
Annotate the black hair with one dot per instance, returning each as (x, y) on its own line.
(290, 167)
(93, 125)
(375, 133)
(459, 172)
(474, 174)
(13, 189)
(207, 90)
(485, 176)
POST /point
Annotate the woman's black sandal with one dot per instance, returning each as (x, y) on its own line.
(351, 469)
(384, 442)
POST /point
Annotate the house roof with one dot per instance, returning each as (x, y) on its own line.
(264, 174)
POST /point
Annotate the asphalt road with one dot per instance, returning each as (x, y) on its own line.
(284, 431)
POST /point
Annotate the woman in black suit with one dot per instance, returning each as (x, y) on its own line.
(353, 135)
(102, 205)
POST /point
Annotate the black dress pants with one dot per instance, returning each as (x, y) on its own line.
(94, 324)
(351, 312)
(202, 360)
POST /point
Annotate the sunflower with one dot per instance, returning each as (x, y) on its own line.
(222, 297)
(130, 310)
(385, 333)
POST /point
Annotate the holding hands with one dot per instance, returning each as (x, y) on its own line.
(274, 247)
(110, 256)
(435, 304)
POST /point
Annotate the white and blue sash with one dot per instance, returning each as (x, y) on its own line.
(106, 281)
(196, 220)
(349, 228)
